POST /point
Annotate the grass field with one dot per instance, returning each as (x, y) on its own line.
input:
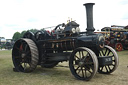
(59, 75)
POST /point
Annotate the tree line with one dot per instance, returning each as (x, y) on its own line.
(18, 35)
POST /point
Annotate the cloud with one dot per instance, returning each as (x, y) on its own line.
(11, 25)
(19, 15)
(124, 2)
(32, 20)
(125, 17)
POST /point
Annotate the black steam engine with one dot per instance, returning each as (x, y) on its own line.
(85, 51)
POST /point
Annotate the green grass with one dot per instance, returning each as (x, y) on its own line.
(59, 75)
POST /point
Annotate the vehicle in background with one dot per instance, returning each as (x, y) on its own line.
(6, 43)
(116, 37)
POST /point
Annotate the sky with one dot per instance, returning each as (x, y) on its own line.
(19, 15)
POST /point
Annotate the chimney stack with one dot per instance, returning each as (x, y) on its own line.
(89, 13)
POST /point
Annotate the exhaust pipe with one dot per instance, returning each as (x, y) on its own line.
(89, 13)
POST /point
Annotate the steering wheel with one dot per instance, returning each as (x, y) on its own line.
(58, 28)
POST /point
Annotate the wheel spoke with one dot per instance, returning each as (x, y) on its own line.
(109, 68)
(113, 60)
(106, 69)
(89, 70)
(17, 48)
(80, 55)
(25, 48)
(84, 57)
(77, 57)
(100, 54)
(77, 68)
(103, 53)
(89, 63)
(28, 53)
(87, 54)
(79, 71)
(87, 58)
(21, 47)
(101, 68)
(25, 66)
(113, 65)
(17, 57)
(29, 64)
(108, 52)
(20, 64)
(85, 73)
(82, 71)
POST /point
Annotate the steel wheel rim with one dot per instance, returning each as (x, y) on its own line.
(83, 69)
(22, 56)
(107, 69)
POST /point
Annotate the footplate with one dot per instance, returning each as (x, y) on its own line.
(58, 56)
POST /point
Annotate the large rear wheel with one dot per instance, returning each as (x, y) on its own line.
(25, 55)
(48, 64)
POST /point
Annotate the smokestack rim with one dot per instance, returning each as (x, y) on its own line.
(89, 4)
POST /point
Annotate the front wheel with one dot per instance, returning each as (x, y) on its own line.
(109, 52)
(83, 63)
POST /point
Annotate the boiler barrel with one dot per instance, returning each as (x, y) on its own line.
(95, 41)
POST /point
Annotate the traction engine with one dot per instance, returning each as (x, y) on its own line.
(85, 51)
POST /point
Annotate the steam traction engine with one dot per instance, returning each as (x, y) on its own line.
(85, 51)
